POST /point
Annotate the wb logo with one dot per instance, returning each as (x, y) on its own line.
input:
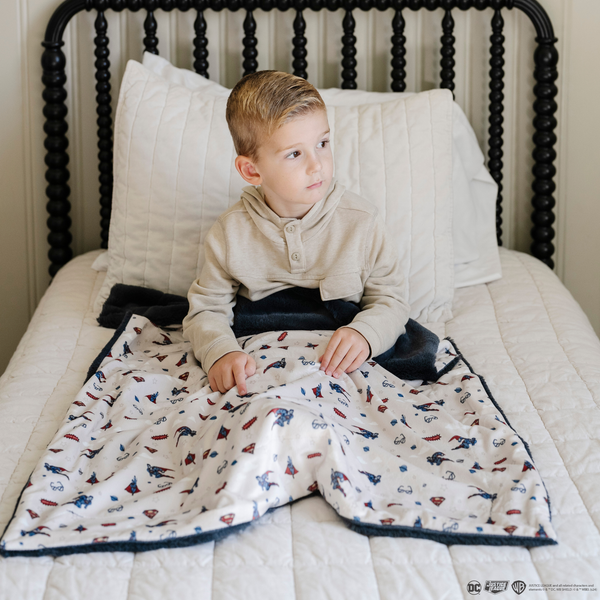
(519, 587)
(474, 587)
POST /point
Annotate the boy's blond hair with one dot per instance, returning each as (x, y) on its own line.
(262, 102)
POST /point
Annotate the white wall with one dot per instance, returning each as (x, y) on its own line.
(16, 300)
(23, 246)
(580, 172)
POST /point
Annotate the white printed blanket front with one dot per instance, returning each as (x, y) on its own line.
(149, 456)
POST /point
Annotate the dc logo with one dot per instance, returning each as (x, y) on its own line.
(519, 587)
(474, 588)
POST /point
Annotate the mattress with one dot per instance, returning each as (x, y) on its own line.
(524, 333)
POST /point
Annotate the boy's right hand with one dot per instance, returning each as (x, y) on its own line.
(231, 370)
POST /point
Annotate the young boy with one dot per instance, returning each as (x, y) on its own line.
(297, 227)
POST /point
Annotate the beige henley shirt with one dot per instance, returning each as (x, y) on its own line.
(340, 246)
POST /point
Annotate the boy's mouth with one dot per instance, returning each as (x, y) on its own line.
(314, 186)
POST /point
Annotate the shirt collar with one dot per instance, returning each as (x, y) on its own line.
(272, 225)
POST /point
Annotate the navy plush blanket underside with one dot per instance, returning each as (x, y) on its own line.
(411, 358)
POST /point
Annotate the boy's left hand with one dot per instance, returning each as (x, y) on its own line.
(346, 351)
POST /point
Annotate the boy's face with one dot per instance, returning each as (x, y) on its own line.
(294, 166)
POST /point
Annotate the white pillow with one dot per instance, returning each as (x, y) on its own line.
(174, 175)
(476, 255)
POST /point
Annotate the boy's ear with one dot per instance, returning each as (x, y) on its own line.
(247, 170)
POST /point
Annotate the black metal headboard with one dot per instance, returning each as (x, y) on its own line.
(55, 110)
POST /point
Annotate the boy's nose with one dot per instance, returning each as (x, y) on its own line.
(314, 164)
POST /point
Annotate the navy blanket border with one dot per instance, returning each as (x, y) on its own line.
(135, 546)
(491, 397)
(98, 360)
(464, 539)
(182, 542)
(451, 364)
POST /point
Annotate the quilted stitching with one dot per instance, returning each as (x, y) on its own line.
(303, 551)
(151, 206)
(174, 217)
(123, 181)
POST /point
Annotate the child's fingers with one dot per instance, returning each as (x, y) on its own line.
(212, 383)
(359, 360)
(329, 351)
(218, 384)
(227, 378)
(239, 375)
(346, 362)
(221, 383)
(250, 367)
(338, 356)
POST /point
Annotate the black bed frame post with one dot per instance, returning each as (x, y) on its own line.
(348, 52)
(544, 138)
(447, 51)
(150, 27)
(299, 51)
(104, 122)
(56, 143)
(398, 61)
(250, 53)
(200, 45)
(57, 159)
(496, 118)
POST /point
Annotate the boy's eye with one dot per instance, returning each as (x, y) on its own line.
(294, 154)
(323, 143)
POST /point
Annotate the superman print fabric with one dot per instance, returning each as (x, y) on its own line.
(149, 456)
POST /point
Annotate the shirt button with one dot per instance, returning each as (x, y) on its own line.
(296, 256)
(290, 229)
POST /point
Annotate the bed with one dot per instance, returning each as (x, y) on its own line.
(522, 331)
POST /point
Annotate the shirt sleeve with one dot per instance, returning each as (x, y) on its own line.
(212, 298)
(384, 310)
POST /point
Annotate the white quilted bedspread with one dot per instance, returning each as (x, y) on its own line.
(523, 333)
